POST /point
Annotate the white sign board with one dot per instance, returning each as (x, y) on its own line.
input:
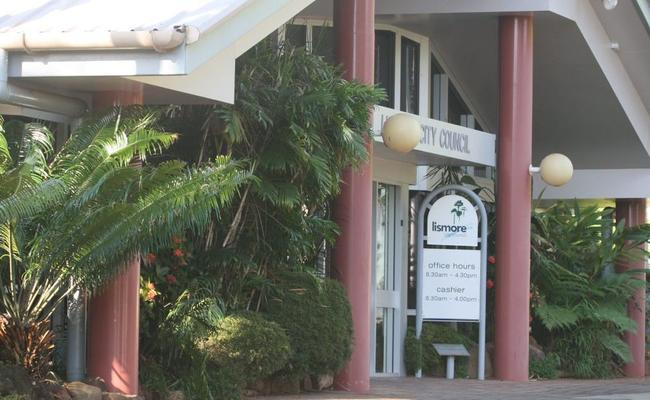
(452, 221)
(444, 139)
(451, 284)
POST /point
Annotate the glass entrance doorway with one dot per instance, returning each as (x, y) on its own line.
(386, 280)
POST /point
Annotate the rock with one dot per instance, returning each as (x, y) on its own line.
(49, 390)
(285, 386)
(120, 396)
(96, 382)
(15, 380)
(472, 363)
(306, 384)
(262, 387)
(83, 391)
(176, 395)
(323, 382)
(535, 350)
(149, 394)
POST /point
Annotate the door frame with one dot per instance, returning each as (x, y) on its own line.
(399, 255)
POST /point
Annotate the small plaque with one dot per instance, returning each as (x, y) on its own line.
(445, 349)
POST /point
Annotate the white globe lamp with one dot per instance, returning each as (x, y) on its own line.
(555, 169)
(401, 133)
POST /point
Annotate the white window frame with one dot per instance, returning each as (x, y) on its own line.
(425, 57)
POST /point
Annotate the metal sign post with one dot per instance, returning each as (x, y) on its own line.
(447, 291)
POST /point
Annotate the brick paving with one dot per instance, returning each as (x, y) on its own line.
(467, 389)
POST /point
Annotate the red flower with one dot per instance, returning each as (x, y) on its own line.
(170, 279)
(492, 260)
(489, 283)
(178, 252)
(150, 258)
(151, 295)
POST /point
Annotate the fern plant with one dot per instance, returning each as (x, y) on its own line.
(79, 214)
(579, 299)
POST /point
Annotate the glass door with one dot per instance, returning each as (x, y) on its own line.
(386, 281)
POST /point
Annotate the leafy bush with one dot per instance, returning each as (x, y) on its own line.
(419, 353)
(544, 368)
(248, 345)
(295, 125)
(578, 298)
(317, 317)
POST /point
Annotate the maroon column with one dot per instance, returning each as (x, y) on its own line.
(514, 196)
(354, 22)
(633, 211)
(113, 318)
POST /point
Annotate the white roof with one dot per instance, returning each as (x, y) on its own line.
(112, 15)
(203, 67)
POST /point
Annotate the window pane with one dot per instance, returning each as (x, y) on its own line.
(296, 35)
(457, 106)
(436, 90)
(410, 80)
(385, 340)
(381, 237)
(323, 42)
(380, 342)
(385, 65)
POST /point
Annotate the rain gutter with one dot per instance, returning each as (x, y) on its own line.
(35, 99)
(157, 40)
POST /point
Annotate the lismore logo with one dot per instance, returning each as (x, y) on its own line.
(458, 210)
(451, 222)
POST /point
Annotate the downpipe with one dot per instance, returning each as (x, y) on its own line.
(35, 99)
(76, 346)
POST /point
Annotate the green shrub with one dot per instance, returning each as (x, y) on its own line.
(316, 315)
(248, 345)
(419, 353)
(544, 368)
(579, 302)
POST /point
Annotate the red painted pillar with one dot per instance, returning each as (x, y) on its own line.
(514, 196)
(113, 318)
(354, 22)
(634, 213)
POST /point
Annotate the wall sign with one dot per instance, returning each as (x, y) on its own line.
(452, 221)
(444, 139)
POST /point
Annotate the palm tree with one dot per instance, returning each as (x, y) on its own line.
(80, 213)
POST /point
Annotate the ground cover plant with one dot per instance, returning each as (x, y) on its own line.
(579, 300)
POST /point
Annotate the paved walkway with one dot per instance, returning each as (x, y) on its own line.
(466, 389)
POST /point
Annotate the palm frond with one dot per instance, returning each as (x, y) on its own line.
(617, 346)
(554, 316)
